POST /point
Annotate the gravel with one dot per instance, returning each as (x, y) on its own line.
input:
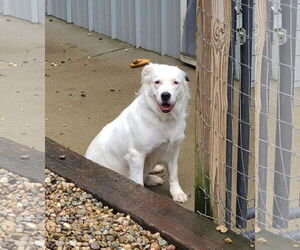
(21, 212)
(76, 220)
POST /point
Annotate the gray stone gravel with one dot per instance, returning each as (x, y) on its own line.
(21, 212)
(76, 220)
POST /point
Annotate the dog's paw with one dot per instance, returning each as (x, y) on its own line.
(158, 169)
(180, 197)
(153, 180)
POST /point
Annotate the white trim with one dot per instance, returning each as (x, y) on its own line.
(188, 60)
(163, 12)
(34, 11)
(137, 23)
(113, 19)
(49, 7)
(6, 7)
(91, 15)
(69, 11)
(183, 10)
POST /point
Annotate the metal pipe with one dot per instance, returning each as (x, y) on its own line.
(229, 120)
(244, 128)
(294, 235)
(249, 235)
(294, 213)
(250, 213)
(284, 127)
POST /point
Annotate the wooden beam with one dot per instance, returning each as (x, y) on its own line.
(22, 160)
(182, 227)
(213, 40)
(260, 10)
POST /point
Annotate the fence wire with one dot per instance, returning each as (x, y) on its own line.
(262, 139)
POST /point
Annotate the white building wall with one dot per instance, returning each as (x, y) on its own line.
(32, 10)
(152, 25)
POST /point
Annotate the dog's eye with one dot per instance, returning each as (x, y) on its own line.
(157, 82)
(176, 82)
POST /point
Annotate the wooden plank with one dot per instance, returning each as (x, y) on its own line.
(179, 226)
(213, 40)
(260, 11)
(31, 167)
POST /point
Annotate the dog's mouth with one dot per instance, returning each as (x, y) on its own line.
(166, 107)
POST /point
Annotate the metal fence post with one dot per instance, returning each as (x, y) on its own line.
(284, 126)
(244, 127)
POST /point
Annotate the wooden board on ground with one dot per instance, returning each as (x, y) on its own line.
(22, 160)
(181, 227)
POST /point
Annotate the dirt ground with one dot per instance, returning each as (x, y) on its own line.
(22, 82)
(77, 61)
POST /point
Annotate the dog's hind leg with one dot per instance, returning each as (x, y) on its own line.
(150, 177)
(153, 180)
(158, 169)
(136, 162)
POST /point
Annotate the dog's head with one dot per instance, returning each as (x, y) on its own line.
(166, 85)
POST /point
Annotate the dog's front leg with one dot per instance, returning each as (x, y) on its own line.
(175, 189)
(136, 161)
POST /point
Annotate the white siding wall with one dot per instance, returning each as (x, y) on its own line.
(153, 25)
(297, 64)
(102, 17)
(1, 6)
(275, 53)
(32, 10)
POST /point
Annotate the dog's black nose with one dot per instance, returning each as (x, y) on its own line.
(165, 96)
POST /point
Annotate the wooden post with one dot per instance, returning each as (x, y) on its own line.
(213, 40)
(260, 97)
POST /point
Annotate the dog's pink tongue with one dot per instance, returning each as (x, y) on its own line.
(166, 108)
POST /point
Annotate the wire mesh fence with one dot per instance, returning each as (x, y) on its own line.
(248, 115)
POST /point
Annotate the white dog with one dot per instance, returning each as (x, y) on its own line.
(149, 131)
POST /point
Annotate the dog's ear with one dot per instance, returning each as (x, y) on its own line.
(147, 70)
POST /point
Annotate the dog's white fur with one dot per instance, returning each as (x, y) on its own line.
(143, 136)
